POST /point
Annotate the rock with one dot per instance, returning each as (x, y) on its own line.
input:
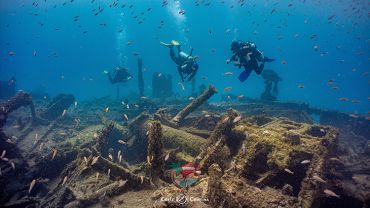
(292, 137)
(287, 190)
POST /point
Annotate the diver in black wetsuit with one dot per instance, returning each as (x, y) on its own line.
(247, 55)
(186, 63)
(119, 75)
(271, 79)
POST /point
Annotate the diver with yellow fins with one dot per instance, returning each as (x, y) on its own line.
(186, 63)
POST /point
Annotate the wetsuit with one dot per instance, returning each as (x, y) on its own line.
(186, 65)
(248, 56)
(120, 75)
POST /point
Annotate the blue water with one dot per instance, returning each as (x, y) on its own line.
(69, 61)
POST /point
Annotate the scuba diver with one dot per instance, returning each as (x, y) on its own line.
(186, 63)
(119, 75)
(271, 80)
(247, 55)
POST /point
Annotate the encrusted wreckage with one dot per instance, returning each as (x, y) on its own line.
(84, 158)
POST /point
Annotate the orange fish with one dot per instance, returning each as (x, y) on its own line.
(226, 89)
(240, 97)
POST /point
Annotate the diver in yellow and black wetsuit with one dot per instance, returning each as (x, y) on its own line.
(186, 63)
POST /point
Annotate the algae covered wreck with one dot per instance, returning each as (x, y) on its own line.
(178, 156)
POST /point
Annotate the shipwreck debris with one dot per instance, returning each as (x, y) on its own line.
(194, 104)
(155, 152)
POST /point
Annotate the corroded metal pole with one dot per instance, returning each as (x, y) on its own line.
(154, 158)
(195, 104)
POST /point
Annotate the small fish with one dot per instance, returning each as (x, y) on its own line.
(141, 179)
(125, 116)
(108, 172)
(121, 183)
(94, 160)
(11, 53)
(33, 183)
(64, 112)
(343, 99)
(191, 98)
(355, 101)
(110, 157)
(10, 141)
(3, 154)
(55, 151)
(106, 109)
(334, 159)
(121, 142)
(166, 157)
(353, 115)
(305, 162)
(148, 160)
(13, 165)
(228, 73)
(244, 149)
(283, 62)
(120, 158)
(240, 97)
(331, 193)
(237, 119)
(288, 171)
(34, 53)
(226, 89)
(76, 104)
(300, 86)
(318, 178)
(95, 135)
(64, 180)
(41, 146)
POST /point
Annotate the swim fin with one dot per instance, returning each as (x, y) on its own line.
(175, 43)
(166, 44)
(244, 75)
(267, 59)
